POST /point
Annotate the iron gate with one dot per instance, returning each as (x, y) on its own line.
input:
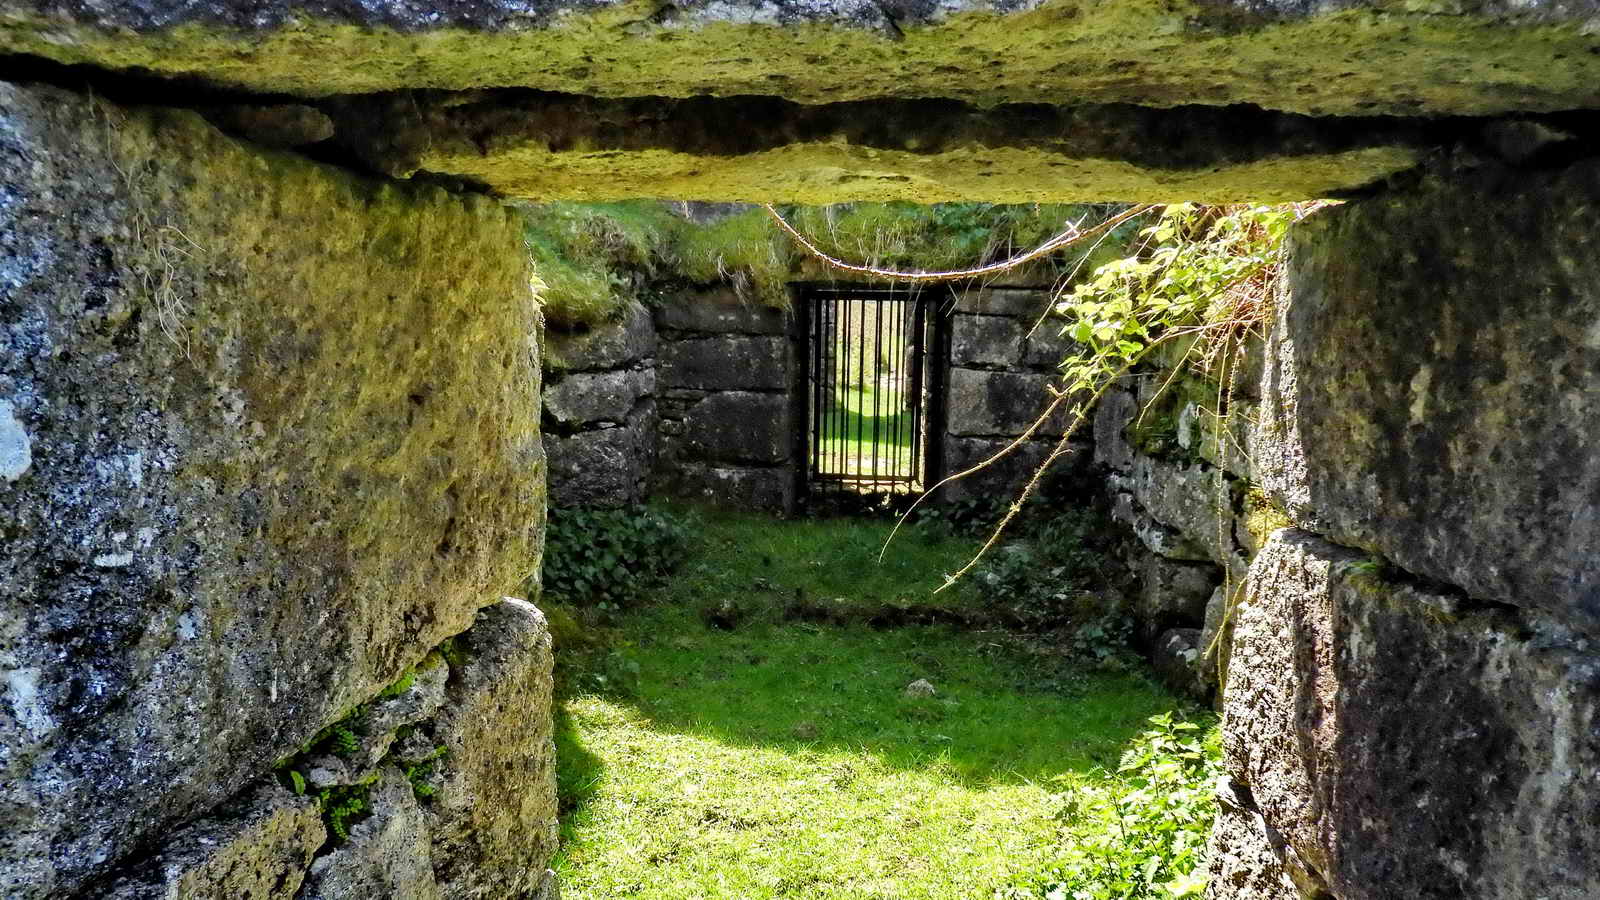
(875, 389)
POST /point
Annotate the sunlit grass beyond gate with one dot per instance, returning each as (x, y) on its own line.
(865, 431)
(751, 736)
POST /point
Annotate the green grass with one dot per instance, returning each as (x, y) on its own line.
(783, 759)
(755, 559)
(864, 424)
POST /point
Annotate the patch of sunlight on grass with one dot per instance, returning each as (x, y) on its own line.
(784, 759)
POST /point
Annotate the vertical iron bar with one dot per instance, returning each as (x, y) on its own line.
(877, 380)
(919, 325)
(895, 305)
(815, 461)
(938, 384)
(861, 370)
(900, 385)
(903, 420)
(830, 327)
(842, 395)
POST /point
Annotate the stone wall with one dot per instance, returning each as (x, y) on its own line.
(706, 392)
(266, 440)
(600, 420)
(1173, 446)
(1004, 354)
(728, 385)
(1413, 694)
(692, 399)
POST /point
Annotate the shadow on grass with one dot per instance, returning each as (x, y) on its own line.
(999, 715)
(578, 771)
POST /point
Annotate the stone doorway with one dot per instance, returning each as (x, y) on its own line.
(876, 361)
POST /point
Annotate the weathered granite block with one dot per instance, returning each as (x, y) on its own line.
(600, 468)
(1112, 416)
(986, 404)
(1408, 743)
(257, 846)
(1434, 392)
(645, 422)
(1006, 476)
(280, 441)
(1045, 347)
(1018, 303)
(1246, 857)
(726, 363)
(1216, 636)
(493, 819)
(584, 397)
(387, 856)
(1194, 500)
(1172, 594)
(768, 490)
(720, 311)
(737, 427)
(1354, 58)
(1224, 440)
(985, 341)
(1156, 537)
(613, 345)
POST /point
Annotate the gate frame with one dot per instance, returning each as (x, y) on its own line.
(935, 304)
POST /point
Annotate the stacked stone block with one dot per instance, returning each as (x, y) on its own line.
(1004, 352)
(729, 385)
(600, 414)
(267, 438)
(1171, 446)
(1413, 693)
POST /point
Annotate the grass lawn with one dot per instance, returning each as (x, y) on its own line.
(783, 758)
(863, 424)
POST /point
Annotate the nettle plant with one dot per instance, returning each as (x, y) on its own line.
(1203, 280)
(1140, 832)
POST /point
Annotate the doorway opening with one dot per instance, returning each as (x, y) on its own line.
(876, 363)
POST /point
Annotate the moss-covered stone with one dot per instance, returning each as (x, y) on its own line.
(256, 846)
(1399, 741)
(1433, 390)
(566, 147)
(493, 819)
(1357, 57)
(283, 435)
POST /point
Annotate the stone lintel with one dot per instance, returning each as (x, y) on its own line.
(1355, 57)
(545, 147)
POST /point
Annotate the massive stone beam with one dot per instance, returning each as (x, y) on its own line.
(1351, 57)
(560, 147)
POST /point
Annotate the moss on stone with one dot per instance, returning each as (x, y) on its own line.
(330, 459)
(822, 173)
(1364, 58)
(1262, 516)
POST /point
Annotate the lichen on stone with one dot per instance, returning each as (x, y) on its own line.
(286, 441)
(1363, 58)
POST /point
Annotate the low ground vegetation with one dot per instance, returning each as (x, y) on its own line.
(753, 729)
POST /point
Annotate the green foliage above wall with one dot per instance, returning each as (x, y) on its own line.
(591, 258)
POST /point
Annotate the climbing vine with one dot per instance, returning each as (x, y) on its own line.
(1198, 290)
